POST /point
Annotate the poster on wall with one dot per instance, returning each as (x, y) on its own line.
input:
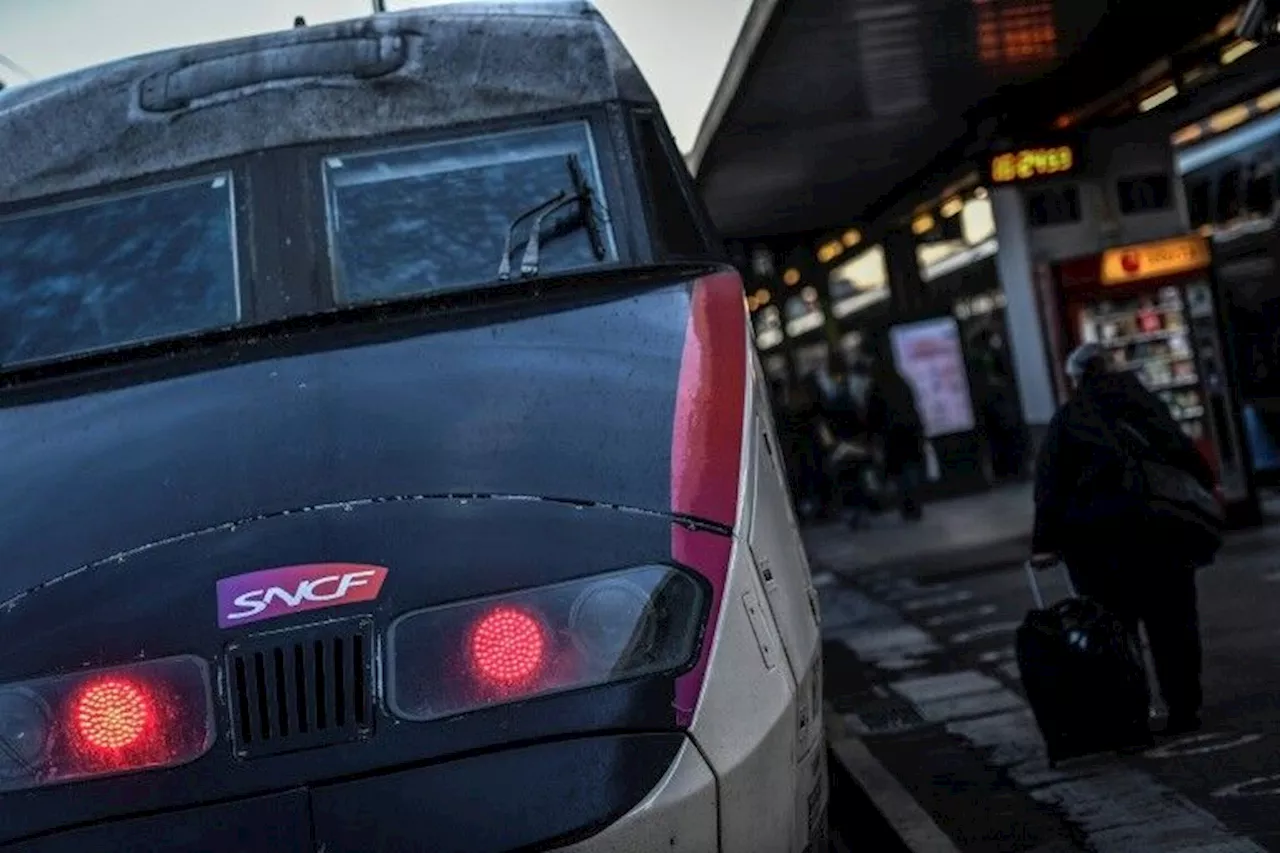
(929, 356)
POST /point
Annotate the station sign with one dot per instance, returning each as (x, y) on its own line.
(1032, 163)
(1162, 258)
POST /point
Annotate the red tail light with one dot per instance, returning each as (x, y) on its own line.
(101, 723)
(508, 646)
(459, 657)
(112, 714)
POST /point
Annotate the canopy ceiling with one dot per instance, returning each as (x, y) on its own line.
(833, 110)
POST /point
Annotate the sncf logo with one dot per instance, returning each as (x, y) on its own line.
(294, 589)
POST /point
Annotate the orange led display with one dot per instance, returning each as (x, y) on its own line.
(1028, 164)
(1015, 32)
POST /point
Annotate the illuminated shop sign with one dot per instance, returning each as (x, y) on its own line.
(1154, 260)
(1031, 164)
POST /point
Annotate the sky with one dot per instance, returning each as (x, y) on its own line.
(681, 45)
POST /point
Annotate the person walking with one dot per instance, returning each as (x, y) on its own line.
(894, 418)
(1096, 512)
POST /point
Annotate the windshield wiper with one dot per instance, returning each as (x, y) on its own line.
(504, 268)
(587, 207)
(586, 218)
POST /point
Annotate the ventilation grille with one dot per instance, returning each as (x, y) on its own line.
(301, 689)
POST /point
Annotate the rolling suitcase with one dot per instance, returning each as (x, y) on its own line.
(1084, 677)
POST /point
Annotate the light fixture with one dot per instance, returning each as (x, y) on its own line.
(1155, 99)
(1267, 101)
(1229, 118)
(791, 277)
(829, 251)
(952, 206)
(1236, 49)
(1187, 135)
(922, 224)
(851, 238)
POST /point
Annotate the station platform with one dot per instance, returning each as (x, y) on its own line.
(927, 715)
(971, 532)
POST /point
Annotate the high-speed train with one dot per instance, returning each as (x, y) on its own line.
(387, 462)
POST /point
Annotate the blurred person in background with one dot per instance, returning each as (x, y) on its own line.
(800, 424)
(995, 391)
(893, 419)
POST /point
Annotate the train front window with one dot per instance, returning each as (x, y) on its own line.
(114, 271)
(436, 217)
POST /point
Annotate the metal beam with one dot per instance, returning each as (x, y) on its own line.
(753, 29)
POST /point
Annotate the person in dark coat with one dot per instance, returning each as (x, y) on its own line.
(1080, 516)
(894, 418)
(801, 424)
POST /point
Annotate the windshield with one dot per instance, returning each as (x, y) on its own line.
(435, 217)
(110, 272)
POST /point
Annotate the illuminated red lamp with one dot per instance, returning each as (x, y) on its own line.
(113, 714)
(508, 647)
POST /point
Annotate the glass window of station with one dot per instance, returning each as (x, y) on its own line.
(859, 283)
(766, 315)
(803, 311)
(960, 232)
(1230, 163)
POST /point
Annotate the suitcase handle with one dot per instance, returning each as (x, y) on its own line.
(1034, 582)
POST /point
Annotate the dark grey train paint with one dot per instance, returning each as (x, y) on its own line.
(127, 503)
(573, 405)
(480, 804)
(465, 63)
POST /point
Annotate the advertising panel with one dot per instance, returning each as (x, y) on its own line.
(929, 356)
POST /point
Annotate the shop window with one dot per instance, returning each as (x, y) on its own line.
(977, 221)
(803, 312)
(931, 254)
(762, 262)
(859, 283)
(768, 326)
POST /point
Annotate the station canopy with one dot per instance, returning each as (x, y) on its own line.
(832, 111)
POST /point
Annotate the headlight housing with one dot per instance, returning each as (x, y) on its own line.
(459, 657)
(104, 722)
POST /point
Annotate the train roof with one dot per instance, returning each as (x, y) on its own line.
(395, 72)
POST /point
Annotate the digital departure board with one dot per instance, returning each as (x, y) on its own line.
(1030, 164)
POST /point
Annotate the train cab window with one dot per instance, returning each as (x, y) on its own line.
(1229, 203)
(109, 272)
(1199, 202)
(436, 217)
(675, 224)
